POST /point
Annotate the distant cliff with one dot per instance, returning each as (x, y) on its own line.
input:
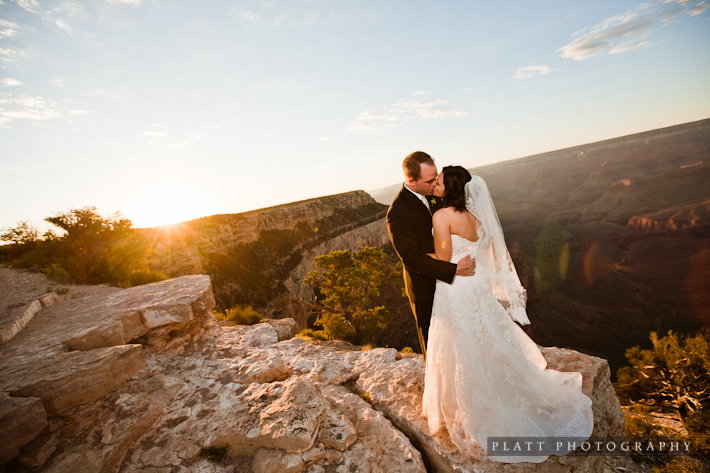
(611, 238)
(250, 256)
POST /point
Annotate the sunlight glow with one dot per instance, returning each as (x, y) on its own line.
(164, 205)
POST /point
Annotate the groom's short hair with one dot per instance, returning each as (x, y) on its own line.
(412, 164)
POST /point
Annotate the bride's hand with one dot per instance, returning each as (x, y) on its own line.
(466, 267)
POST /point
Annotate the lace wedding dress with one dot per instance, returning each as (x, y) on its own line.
(484, 376)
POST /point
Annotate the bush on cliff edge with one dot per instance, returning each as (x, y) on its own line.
(90, 249)
(241, 315)
(348, 286)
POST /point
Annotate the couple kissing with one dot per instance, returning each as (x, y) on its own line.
(484, 376)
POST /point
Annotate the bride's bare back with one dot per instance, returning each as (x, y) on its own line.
(446, 222)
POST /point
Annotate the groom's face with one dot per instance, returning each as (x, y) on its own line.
(427, 182)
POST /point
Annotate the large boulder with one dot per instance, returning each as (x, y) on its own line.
(76, 351)
(397, 392)
(74, 378)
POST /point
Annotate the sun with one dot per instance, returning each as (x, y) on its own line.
(165, 205)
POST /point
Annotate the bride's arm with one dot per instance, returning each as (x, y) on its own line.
(442, 235)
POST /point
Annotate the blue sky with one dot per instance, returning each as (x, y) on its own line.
(172, 110)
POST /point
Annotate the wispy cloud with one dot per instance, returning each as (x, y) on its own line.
(25, 107)
(532, 71)
(71, 9)
(8, 56)
(64, 26)
(628, 30)
(189, 140)
(64, 15)
(248, 15)
(699, 8)
(8, 29)
(158, 134)
(606, 35)
(10, 82)
(629, 45)
(275, 14)
(29, 5)
(383, 119)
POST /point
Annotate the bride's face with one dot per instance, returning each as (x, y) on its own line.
(439, 189)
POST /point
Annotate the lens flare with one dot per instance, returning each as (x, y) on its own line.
(597, 265)
(553, 257)
(564, 261)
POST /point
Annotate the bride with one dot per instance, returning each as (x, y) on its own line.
(484, 376)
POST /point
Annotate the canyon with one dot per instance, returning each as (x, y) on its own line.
(257, 258)
(610, 239)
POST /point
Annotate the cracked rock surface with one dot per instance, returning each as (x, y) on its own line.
(190, 395)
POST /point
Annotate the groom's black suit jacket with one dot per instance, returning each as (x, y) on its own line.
(409, 226)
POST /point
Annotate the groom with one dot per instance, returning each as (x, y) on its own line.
(410, 229)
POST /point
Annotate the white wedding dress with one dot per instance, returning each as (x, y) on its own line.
(484, 376)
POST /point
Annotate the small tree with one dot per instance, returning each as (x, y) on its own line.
(23, 234)
(21, 240)
(89, 248)
(348, 283)
(674, 374)
(98, 249)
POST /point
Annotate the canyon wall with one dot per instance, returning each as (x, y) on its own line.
(252, 257)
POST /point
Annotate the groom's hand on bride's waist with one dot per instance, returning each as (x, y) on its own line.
(466, 267)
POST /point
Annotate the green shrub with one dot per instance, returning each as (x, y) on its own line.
(309, 333)
(336, 327)
(240, 315)
(681, 464)
(698, 427)
(675, 374)
(57, 273)
(145, 276)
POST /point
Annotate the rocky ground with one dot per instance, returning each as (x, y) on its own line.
(145, 380)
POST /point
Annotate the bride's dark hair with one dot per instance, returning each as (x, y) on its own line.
(455, 178)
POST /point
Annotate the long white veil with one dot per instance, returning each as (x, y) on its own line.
(493, 255)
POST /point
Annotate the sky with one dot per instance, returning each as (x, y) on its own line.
(167, 111)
